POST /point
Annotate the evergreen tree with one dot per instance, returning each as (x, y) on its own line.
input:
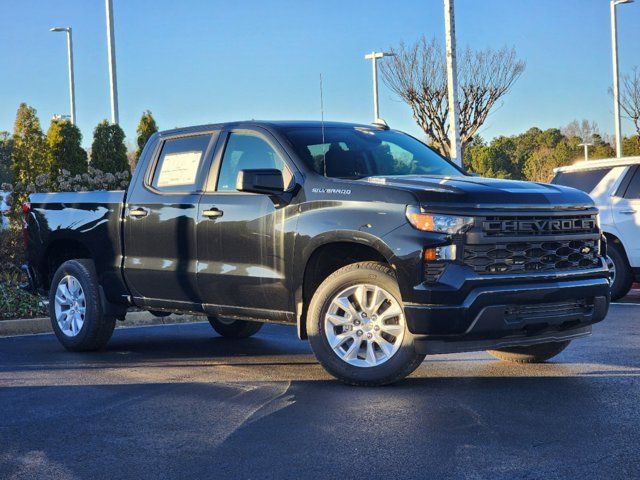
(108, 151)
(29, 157)
(6, 146)
(631, 146)
(65, 150)
(146, 128)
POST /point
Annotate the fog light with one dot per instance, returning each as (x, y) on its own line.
(429, 254)
(447, 252)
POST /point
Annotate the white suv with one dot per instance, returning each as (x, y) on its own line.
(614, 185)
(4, 210)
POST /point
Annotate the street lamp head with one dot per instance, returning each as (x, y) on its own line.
(60, 29)
(372, 55)
(620, 2)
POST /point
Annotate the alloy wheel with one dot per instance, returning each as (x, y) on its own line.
(70, 306)
(364, 325)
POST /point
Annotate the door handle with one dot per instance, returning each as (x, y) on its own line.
(212, 213)
(138, 212)
(627, 212)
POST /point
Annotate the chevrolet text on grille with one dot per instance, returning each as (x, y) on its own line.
(560, 225)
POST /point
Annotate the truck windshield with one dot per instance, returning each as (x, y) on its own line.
(357, 152)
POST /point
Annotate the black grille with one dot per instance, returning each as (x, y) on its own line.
(538, 225)
(531, 256)
(517, 313)
(433, 270)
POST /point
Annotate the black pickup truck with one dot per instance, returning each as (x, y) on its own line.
(378, 249)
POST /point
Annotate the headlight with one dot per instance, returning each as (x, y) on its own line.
(432, 222)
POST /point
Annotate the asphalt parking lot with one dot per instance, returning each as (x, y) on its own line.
(180, 402)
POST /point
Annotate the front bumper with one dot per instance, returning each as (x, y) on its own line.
(495, 316)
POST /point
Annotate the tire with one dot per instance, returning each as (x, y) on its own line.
(530, 354)
(623, 278)
(92, 328)
(229, 328)
(361, 369)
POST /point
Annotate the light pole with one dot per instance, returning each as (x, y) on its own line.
(452, 83)
(616, 82)
(72, 88)
(374, 56)
(586, 146)
(111, 47)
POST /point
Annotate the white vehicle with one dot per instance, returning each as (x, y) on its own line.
(614, 185)
(4, 210)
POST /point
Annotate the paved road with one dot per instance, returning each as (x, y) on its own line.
(180, 402)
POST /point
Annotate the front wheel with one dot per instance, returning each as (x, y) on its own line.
(530, 354)
(230, 328)
(619, 270)
(357, 328)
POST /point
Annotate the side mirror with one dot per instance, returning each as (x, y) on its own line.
(260, 180)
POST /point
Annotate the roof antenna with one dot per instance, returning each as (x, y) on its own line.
(324, 152)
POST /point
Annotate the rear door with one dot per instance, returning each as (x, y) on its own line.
(245, 240)
(160, 226)
(625, 209)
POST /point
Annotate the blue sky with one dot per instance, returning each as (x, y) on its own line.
(193, 62)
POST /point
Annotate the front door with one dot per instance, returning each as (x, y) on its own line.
(245, 240)
(160, 226)
(626, 215)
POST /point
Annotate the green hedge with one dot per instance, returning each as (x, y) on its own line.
(15, 303)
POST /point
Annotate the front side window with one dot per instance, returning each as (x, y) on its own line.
(357, 152)
(585, 180)
(179, 163)
(245, 151)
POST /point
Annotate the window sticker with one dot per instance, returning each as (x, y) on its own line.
(179, 169)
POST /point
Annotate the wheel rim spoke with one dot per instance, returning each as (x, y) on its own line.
(357, 331)
(62, 300)
(386, 347)
(344, 304)
(338, 340)
(393, 311)
(394, 330)
(377, 299)
(371, 354)
(360, 295)
(338, 320)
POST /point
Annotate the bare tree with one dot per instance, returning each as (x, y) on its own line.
(417, 74)
(630, 97)
(584, 130)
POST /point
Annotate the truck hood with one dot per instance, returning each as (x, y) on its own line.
(485, 193)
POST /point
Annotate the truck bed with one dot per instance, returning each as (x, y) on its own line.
(61, 221)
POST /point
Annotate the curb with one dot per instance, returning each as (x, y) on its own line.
(30, 326)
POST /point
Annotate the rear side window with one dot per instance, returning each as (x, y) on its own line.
(633, 190)
(585, 180)
(179, 163)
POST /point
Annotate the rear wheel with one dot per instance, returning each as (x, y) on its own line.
(230, 328)
(620, 271)
(530, 354)
(357, 328)
(75, 307)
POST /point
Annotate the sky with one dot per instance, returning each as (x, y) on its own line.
(205, 61)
